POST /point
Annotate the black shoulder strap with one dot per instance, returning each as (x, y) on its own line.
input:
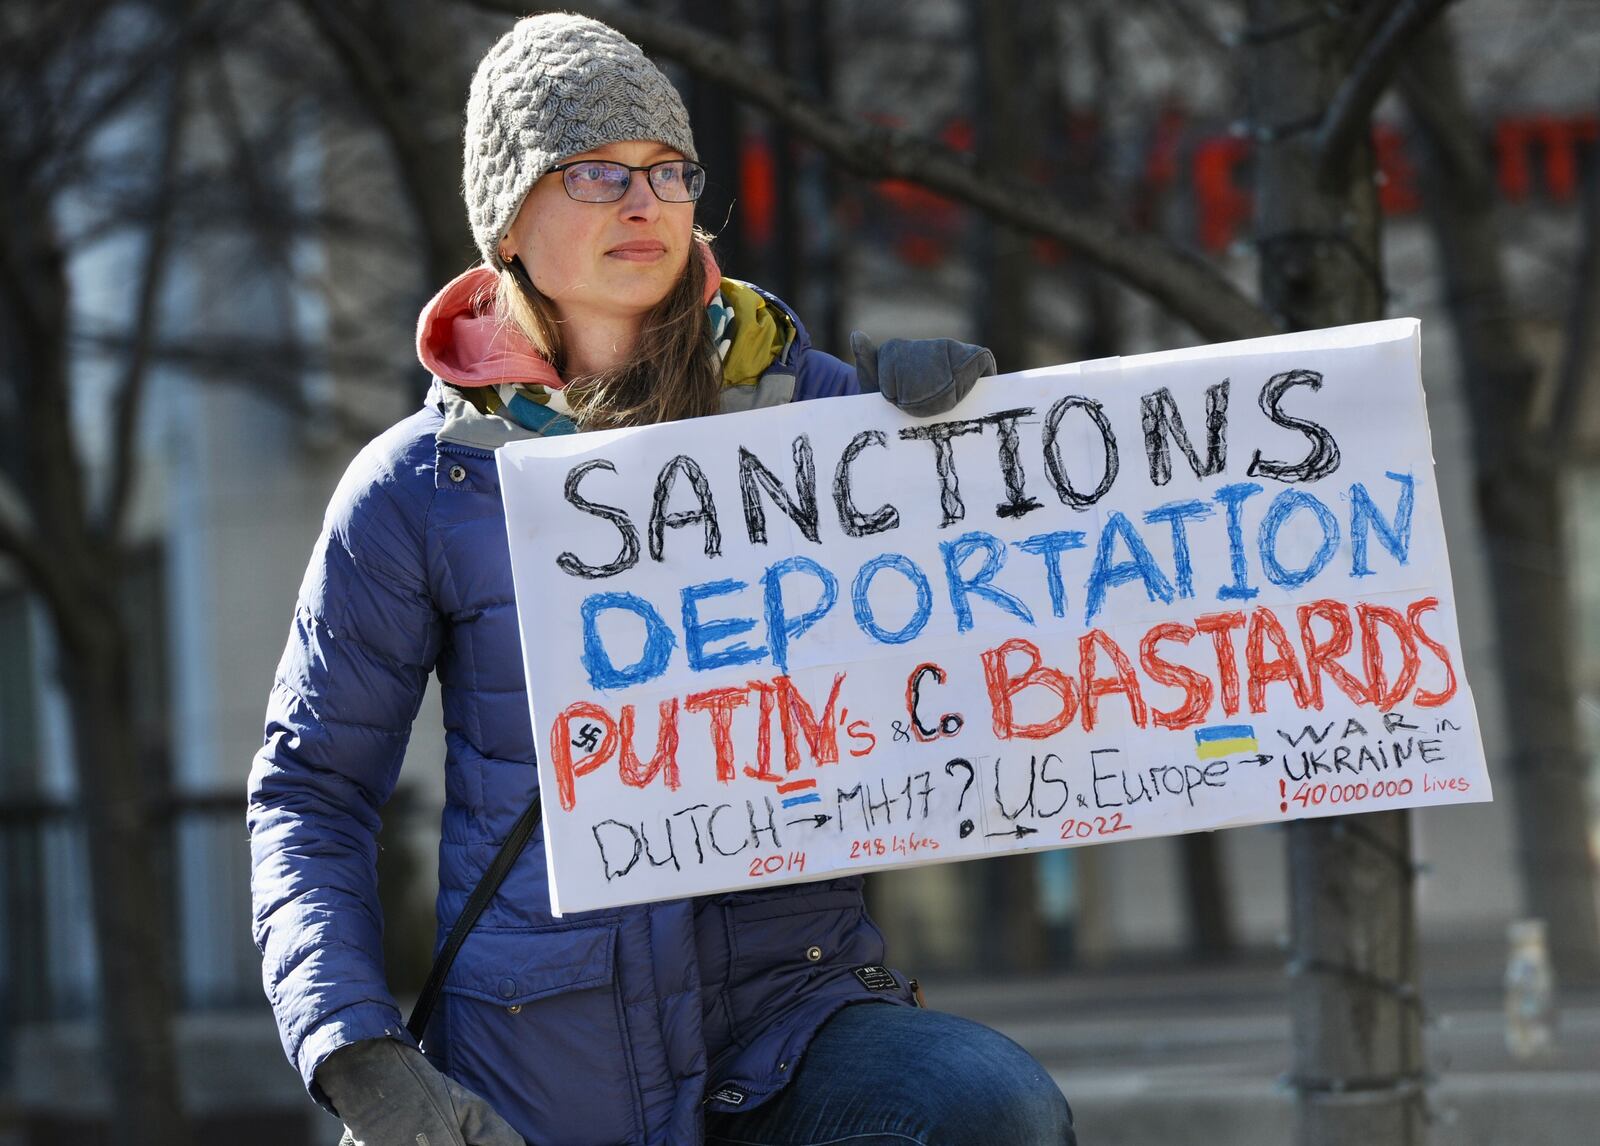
(476, 902)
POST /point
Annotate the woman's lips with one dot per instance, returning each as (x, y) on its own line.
(638, 251)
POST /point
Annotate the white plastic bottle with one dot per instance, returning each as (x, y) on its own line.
(1530, 991)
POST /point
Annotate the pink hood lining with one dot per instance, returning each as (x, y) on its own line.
(460, 340)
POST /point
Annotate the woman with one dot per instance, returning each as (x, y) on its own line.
(722, 1019)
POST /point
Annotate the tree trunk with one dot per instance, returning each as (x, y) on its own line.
(1355, 1013)
(1088, 162)
(813, 27)
(1207, 908)
(1014, 939)
(400, 60)
(718, 139)
(1207, 918)
(77, 578)
(1520, 504)
(424, 97)
(133, 921)
(1006, 111)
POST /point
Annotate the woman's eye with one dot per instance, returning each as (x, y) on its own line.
(593, 173)
(669, 174)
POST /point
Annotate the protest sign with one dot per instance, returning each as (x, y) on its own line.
(1106, 601)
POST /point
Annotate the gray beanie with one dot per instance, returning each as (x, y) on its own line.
(556, 85)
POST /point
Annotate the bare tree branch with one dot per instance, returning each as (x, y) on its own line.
(392, 81)
(262, 209)
(265, 209)
(366, 68)
(16, 287)
(30, 43)
(42, 573)
(1183, 283)
(129, 400)
(1580, 354)
(269, 369)
(215, 204)
(62, 151)
(33, 321)
(261, 358)
(1195, 24)
(1458, 152)
(1349, 113)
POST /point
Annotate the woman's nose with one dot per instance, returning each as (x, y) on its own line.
(640, 201)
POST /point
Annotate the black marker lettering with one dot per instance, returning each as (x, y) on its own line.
(1162, 422)
(944, 461)
(851, 520)
(660, 519)
(711, 831)
(1324, 456)
(1052, 450)
(770, 827)
(1017, 501)
(800, 509)
(607, 864)
(628, 557)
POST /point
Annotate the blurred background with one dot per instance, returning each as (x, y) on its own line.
(219, 219)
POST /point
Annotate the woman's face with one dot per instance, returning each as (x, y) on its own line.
(603, 260)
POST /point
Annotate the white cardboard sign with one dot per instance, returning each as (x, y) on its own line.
(1105, 601)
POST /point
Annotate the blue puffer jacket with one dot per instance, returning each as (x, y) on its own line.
(607, 1027)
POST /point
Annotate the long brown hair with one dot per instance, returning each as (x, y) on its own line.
(672, 373)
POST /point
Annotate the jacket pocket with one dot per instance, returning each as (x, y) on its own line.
(533, 1023)
(783, 948)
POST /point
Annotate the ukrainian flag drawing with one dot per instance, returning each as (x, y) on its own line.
(1224, 740)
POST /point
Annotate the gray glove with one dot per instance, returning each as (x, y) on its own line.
(923, 376)
(389, 1095)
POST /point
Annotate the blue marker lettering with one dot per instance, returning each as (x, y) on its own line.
(862, 586)
(1233, 497)
(1176, 513)
(956, 553)
(1267, 538)
(1364, 516)
(1051, 546)
(1107, 574)
(782, 628)
(697, 633)
(658, 643)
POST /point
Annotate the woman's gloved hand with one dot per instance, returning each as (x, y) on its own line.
(389, 1095)
(923, 376)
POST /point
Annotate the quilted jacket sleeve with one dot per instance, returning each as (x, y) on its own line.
(821, 375)
(363, 641)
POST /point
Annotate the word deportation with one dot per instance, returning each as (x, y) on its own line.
(970, 565)
(1290, 659)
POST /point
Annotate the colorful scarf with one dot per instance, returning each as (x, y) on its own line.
(749, 334)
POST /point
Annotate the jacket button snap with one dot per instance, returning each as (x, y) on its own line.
(458, 473)
(813, 953)
(508, 987)
(514, 1009)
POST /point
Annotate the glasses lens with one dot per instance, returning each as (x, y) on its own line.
(677, 181)
(596, 181)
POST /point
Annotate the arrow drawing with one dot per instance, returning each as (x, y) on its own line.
(815, 821)
(1019, 831)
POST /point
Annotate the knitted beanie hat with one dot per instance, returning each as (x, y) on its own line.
(556, 85)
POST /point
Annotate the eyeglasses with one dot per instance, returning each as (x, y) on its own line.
(604, 181)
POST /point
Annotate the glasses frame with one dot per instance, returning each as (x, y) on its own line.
(689, 165)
